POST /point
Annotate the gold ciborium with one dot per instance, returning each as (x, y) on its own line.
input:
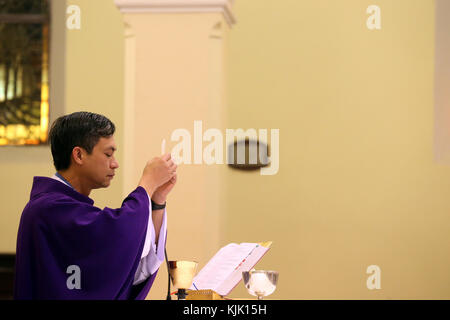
(182, 273)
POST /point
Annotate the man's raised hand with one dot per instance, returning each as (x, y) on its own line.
(157, 172)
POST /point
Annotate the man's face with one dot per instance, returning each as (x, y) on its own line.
(99, 166)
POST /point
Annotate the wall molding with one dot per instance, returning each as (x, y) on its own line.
(178, 6)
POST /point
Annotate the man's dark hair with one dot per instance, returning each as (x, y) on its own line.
(78, 129)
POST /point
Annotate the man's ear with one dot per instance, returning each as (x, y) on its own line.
(78, 155)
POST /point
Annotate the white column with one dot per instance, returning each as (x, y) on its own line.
(175, 73)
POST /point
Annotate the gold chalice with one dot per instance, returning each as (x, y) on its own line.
(182, 274)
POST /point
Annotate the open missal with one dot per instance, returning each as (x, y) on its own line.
(224, 271)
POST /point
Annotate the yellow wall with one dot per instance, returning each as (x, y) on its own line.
(86, 73)
(19, 164)
(94, 79)
(442, 83)
(357, 183)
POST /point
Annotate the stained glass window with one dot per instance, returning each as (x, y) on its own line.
(24, 89)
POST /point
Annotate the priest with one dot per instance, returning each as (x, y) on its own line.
(67, 248)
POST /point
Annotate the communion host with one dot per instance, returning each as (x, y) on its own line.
(67, 248)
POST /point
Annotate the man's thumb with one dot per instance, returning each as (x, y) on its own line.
(166, 157)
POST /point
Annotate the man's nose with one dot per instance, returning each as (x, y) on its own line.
(114, 164)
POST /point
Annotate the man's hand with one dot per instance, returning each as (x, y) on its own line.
(160, 194)
(158, 172)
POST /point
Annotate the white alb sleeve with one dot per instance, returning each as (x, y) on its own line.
(152, 254)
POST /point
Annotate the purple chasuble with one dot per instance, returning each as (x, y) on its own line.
(61, 230)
